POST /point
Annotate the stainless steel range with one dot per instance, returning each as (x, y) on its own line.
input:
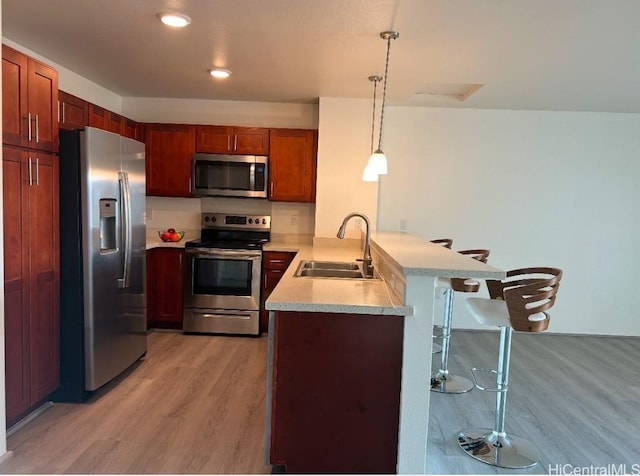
(222, 274)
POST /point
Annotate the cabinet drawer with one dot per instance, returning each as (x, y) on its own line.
(277, 260)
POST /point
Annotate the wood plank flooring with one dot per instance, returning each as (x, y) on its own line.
(576, 397)
(196, 405)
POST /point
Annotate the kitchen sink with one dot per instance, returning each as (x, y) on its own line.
(331, 269)
(330, 265)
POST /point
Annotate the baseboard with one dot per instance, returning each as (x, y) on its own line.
(35, 413)
(8, 455)
(497, 330)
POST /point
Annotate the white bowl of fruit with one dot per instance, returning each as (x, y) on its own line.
(171, 235)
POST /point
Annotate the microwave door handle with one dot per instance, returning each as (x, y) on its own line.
(252, 177)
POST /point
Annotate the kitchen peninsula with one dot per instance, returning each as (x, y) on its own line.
(353, 357)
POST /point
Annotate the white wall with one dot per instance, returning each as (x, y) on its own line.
(537, 189)
(232, 113)
(344, 143)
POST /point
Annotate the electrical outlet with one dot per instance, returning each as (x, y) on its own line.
(403, 224)
(294, 220)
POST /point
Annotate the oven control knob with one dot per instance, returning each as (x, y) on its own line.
(250, 221)
(214, 219)
(206, 219)
(264, 221)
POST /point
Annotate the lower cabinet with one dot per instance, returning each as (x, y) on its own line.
(165, 269)
(31, 279)
(274, 263)
(335, 392)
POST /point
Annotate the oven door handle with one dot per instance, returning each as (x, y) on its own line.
(207, 253)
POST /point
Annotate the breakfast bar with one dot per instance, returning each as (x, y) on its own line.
(408, 268)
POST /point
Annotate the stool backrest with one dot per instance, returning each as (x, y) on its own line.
(529, 293)
(463, 285)
(444, 242)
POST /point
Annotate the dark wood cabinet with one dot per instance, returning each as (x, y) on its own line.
(169, 154)
(274, 263)
(232, 140)
(29, 102)
(31, 278)
(73, 112)
(335, 402)
(292, 165)
(115, 123)
(165, 272)
(98, 117)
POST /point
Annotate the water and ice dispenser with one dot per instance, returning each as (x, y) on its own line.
(108, 225)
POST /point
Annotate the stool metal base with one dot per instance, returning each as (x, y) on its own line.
(445, 382)
(498, 449)
(436, 348)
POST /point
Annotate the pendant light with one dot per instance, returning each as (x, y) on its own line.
(378, 161)
(369, 174)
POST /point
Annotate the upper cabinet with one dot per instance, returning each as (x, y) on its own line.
(232, 140)
(169, 152)
(292, 165)
(73, 112)
(29, 100)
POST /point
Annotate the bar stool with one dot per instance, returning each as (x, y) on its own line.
(443, 381)
(517, 303)
(436, 348)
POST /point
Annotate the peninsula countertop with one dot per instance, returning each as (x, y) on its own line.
(413, 255)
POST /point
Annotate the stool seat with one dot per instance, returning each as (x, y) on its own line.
(494, 312)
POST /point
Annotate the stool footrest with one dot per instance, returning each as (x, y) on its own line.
(486, 389)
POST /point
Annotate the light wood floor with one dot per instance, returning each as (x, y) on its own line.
(197, 405)
(576, 397)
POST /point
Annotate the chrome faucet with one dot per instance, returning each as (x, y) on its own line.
(366, 259)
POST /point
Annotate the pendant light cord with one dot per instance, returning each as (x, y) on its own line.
(384, 93)
(375, 80)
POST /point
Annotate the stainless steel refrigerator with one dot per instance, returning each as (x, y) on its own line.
(102, 259)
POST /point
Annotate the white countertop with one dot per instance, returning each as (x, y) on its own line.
(329, 295)
(415, 256)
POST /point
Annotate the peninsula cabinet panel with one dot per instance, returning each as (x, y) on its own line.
(292, 165)
(232, 140)
(274, 264)
(30, 99)
(73, 112)
(169, 154)
(165, 269)
(335, 401)
(31, 256)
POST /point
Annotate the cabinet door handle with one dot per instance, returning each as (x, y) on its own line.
(235, 142)
(271, 189)
(228, 142)
(63, 114)
(30, 174)
(37, 171)
(29, 126)
(37, 130)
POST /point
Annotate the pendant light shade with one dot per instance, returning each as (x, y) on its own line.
(378, 161)
(369, 174)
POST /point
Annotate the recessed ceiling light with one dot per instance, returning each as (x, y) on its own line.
(177, 20)
(220, 73)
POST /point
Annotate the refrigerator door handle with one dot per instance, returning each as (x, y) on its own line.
(125, 193)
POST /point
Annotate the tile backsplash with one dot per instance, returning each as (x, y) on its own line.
(287, 218)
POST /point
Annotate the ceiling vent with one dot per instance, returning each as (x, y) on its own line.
(437, 93)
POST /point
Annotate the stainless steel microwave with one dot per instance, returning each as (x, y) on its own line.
(229, 175)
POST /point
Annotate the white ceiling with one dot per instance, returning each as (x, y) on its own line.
(573, 55)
